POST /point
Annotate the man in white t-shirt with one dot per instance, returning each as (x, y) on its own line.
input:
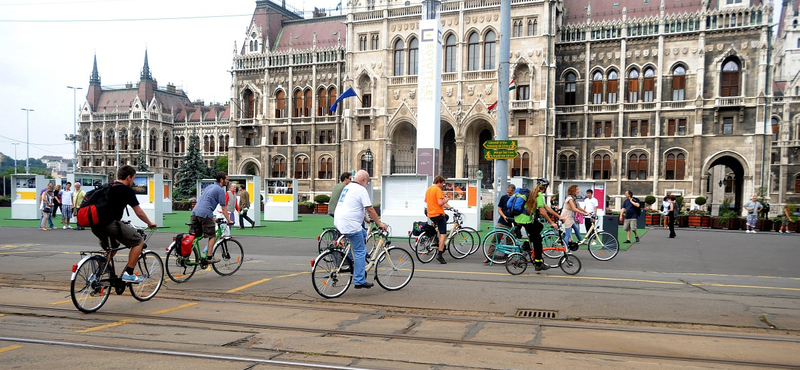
(589, 205)
(66, 206)
(348, 218)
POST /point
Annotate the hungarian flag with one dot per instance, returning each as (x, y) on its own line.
(511, 86)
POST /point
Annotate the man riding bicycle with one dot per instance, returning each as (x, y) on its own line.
(112, 232)
(203, 213)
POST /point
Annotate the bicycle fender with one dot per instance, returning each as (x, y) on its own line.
(78, 266)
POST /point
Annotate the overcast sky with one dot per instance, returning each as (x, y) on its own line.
(38, 60)
(46, 45)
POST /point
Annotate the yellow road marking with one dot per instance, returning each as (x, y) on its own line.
(61, 302)
(2, 314)
(263, 281)
(173, 308)
(101, 327)
(10, 348)
(749, 286)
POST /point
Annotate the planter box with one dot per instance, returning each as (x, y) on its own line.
(699, 221)
(652, 219)
(321, 208)
(734, 223)
(303, 209)
(764, 224)
(715, 224)
(682, 221)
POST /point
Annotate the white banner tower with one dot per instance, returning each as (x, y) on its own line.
(429, 89)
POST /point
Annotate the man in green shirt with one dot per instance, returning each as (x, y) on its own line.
(344, 179)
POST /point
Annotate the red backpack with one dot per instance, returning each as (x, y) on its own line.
(93, 208)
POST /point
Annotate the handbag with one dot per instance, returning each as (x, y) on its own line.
(47, 210)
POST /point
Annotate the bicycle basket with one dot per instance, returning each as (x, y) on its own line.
(573, 246)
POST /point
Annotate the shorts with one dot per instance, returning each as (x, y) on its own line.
(116, 233)
(785, 222)
(66, 211)
(630, 224)
(206, 225)
(441, 223)
(751, 219)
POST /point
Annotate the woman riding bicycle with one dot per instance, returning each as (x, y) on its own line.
(533, 225)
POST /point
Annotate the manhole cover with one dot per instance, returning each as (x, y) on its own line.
(536, 314)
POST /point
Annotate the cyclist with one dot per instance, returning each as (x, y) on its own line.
(203, 213)
(533, 225)
(111, 232)
(437, 202)
(502, 219)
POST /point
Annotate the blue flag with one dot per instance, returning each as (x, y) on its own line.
(344, 95)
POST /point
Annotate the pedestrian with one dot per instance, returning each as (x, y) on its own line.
(56, 202)
(752, 207)
(77, 199)
(787, 217)
(354, 204)
(42, 193)
(46, 207)
(230, 203)
(590, 205)
(569, 212)
(671, 214)
(665, 209)
(436, 203)
(244, 206)
(502, 219)
(554, 203)
(631, 208)
(66, 206)
(344, 180)
(765, 210)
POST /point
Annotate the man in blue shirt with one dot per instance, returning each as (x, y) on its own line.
(630, 210)
(203, 212)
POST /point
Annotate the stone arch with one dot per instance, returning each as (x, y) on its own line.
(741, 169)
(248, 165)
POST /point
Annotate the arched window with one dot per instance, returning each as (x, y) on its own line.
(649, 85)
(111, 142)
(279, 167)
(177, 145)
(797, 184)
(325, 168)
(297, 103)
(516, 29)
(280, 104)
(211, 145)
(123, 139)
(535, 28)
(613, 87)
(473, 52)
(86, 141)
(601, 167)
(183, 144)
(775, 129)
(633, 86)
(798, 40)
(205, 144)
(637, 167)
(399, 57)
(301, 167)
(331, 98)
(797, 90)
(137, 139)
(322, 102)
(567, 166)
(675, 166)
(597, 88)
(309, 103)
(165, 142)
(569, 89)
(729, 86)
(489, 50)
(153, 140)
(450, 53)
(367, 165)
(522, 165)
(679, 83)
(249, 104)
(413, 56)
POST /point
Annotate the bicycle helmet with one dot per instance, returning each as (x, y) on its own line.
(542, 181)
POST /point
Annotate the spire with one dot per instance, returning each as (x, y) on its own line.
(146, 69)
(95, 79)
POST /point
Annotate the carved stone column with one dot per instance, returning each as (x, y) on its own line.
(459, 158)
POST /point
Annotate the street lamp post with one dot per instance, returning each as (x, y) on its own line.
(27, 140)
(74, 137)
(368, 158)
(15, 156)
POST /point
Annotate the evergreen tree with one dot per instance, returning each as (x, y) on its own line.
(191, 169)
(142, 166)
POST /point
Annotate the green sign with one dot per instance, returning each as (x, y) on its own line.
(500, 144)
(491, 154)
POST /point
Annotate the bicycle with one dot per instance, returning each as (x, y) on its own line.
(332, 272)
(458, 239)
(230, 252)
(94, 276)
(602, 245)
(517, 262)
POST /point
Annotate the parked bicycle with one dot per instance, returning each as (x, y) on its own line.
(94, 276)
(332, 271)
(180, 269)
(459, 241)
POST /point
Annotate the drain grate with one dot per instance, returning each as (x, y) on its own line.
(536, 314)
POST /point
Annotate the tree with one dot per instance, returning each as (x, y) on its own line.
(142, 162)
(191, 170)
(222, 163)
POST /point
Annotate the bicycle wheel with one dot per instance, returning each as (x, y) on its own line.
(570, 264)
(496, 244)
(90, 287)
(180, 269)
(461, 244)
(603, 246)
(150, 268)
(550, 239)
(426, 247)
(475, 237)
(328, 281)
(516, 263)
(231, 256)
(326, 239)
(394, 268)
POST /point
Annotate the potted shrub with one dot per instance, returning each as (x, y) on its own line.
(322, 203)
(698, 218)
(377, 207)
(487, 212)
(652, 217)
(305, 207)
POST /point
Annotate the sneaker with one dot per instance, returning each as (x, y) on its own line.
(755, 231)
(627, 241)
(637, 239)
(541, 266)
(366, 285)
(64, 227)
(211, 259)
(440, 258)
(69, 227)
(131, 278)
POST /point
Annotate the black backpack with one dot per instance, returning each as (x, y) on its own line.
(93, 209)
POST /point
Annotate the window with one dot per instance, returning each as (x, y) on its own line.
(568, 129)
(679, 83)
(367, 165)
(86, 143)
(301, 167)
(567, 165)
(366, 132)
(123, 139)
(165, 143)
(249, 104)
(223, 143)
(633, 86)
(613, 83)
(297, 103)
(413, 56)
(522, 126)
(279, 167)
(399, 57)
(325, 168)
(516, 28)
(675, 166)
(308, 103)
(205, 144)
(250, 139)
(473, 52)
(729, 86)
(326, 137)
(797, 184)
(110, 141)
(676, 127)
(366, 101)
(301, 137)
(211, 145)
(322, 102)
(597, 88)
(279, 138)
(601, 168)
(775, 129)
(727, 126)
(137, 139)
(649, 85)
(362, 42)
(374, 41)
(569, 89)
(331, 98)
(573, 129)
(638, 128)
(637, 167)
(535, 28)
(154, 140)
(489, 50)
(280, 104)
(450, 54)
(522, 165)
(602, 129)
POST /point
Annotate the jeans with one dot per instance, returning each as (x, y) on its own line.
(568, 232)
(359, 247)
